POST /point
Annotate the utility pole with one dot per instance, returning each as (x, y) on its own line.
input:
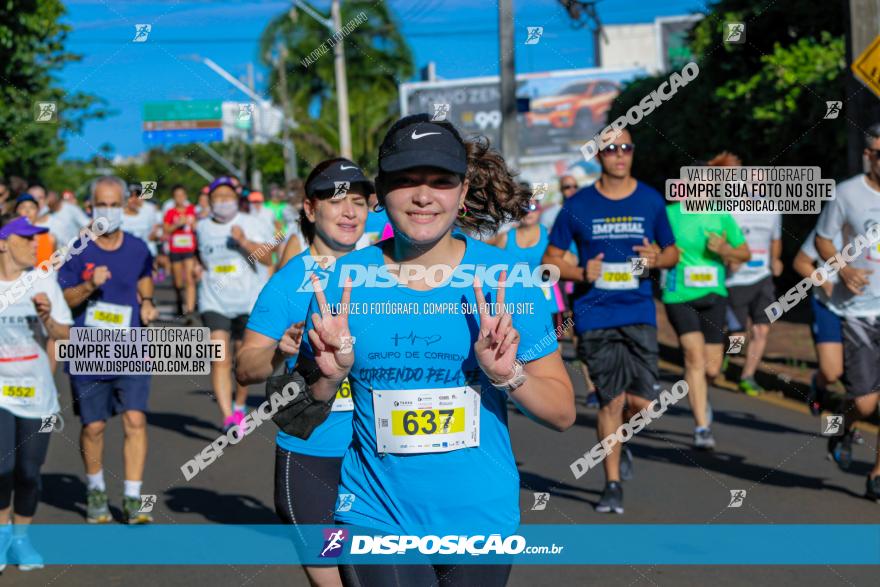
(509, 145)
(862, 27)
(256, 175)
(289, 149)
(341, 85)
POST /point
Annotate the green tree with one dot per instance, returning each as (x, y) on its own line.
(377, 60)
(31, 51)
(763, 100)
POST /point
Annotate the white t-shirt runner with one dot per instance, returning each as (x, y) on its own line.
(855, 209)
(230, 282)
(142, 224)
(760, 231)
(27, 388)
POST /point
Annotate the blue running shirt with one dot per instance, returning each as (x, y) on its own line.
(283, 302)
(404, 341)
(597, 224)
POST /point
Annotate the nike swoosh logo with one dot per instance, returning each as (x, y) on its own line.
(416, 136)
(343, 167)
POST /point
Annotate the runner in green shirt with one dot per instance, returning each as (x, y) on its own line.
(696, 301)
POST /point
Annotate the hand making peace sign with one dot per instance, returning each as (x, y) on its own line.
(497, 341)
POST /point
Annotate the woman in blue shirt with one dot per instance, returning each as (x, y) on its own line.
(431, 366)
(307, 471)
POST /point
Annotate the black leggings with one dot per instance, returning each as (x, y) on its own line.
(424, 575)
(305, 487)
(22, 452)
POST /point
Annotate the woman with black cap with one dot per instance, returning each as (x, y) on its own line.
(430, 363)
(228, 251)
(307, 471)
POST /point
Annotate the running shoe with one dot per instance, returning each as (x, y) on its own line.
(5, 542)
(816, 397)
(840, 450)
(626, 464)
(130, 513)
(750, 387)
(23, 553)
(97, 510)
(873, 490)
(612, 499)
(592, 400)
(703, 439)
(239, 421)
(229, 422)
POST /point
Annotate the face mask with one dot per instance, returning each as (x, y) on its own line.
(224, 211)
(113, 216)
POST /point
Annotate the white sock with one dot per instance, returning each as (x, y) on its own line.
(132, 488)
(237, 408)
(96, 481)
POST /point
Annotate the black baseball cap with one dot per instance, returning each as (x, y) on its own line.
(339, 170)
(422, 144)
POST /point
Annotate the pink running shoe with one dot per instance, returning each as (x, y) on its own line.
(239, 421)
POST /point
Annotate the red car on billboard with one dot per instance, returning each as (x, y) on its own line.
(582, 105)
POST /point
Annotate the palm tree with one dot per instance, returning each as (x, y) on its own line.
(377, 60)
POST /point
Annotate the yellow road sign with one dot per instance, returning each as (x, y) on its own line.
(867, 66)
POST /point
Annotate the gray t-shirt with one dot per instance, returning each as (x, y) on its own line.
(855, 209)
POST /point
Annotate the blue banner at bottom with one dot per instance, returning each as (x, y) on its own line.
(636, 544)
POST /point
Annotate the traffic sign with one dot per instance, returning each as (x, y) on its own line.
(184, 110)
(181, 124)
(194, 135)
(866, 67)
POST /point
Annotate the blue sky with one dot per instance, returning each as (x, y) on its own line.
(460, 36)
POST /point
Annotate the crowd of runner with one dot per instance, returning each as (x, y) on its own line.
(263, 274)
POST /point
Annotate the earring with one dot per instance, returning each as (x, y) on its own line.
(463, 211)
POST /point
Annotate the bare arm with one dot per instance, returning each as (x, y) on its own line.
(568, 271)
(75, 296)
(547, 396)
(257, 358)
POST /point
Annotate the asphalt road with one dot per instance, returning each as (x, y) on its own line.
(773, 452)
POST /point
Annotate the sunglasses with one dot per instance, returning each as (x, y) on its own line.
(874, 152)
(569, 187)
(624, 148)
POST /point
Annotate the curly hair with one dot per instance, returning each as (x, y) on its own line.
(494, 197)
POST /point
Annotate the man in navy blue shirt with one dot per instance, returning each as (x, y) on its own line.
(612, 222)
(109, 284)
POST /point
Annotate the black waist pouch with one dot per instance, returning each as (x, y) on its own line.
(300, 413)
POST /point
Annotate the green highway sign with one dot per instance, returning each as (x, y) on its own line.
(183, 110)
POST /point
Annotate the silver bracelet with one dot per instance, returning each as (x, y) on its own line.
(515, 381)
